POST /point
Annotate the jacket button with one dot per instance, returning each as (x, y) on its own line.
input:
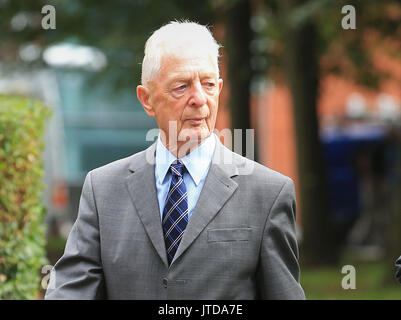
(165, 282)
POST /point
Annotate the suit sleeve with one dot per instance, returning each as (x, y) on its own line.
(398, 271)
(78, 274)
(278, 271)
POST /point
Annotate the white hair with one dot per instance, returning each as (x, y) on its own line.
(177, 38)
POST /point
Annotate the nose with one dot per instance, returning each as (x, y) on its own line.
(198, 97)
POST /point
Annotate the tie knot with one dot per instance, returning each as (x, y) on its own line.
(177, 168)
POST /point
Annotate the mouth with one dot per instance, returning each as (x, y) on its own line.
(195, 120)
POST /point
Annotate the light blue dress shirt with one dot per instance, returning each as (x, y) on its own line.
(197, 163)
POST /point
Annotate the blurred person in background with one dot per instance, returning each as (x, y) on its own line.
(186, 218)
(398, 272)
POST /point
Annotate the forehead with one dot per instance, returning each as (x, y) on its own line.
(188, 65)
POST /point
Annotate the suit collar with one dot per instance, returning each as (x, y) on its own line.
(196, 162)
(222, 157)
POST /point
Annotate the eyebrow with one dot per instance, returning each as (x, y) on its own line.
(182, 78)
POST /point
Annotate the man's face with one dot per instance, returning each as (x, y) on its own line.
(186, 91)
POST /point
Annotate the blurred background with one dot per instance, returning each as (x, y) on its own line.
(318, 81)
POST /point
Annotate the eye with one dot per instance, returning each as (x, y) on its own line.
(180, 88)
(209, 85)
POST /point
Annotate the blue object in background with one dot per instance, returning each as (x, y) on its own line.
(342, 149)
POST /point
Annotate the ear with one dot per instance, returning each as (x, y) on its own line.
(143, 95)
(220, 82)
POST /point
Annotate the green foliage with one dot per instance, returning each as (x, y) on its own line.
(22, 231)
(324, 283)
(346, 53)
(119, 28)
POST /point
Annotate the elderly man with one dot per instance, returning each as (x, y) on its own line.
(186, 218)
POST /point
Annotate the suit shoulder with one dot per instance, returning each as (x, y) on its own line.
(259, 171)
(118, 167)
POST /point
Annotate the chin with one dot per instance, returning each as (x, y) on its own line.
(195, 134)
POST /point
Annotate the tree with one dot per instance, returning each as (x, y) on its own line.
(238, 37)
(302, 72)
(119, 28)
(302, 32)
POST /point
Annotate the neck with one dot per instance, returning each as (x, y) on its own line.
(181, 148)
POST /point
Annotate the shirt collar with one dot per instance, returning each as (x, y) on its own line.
(197, 162)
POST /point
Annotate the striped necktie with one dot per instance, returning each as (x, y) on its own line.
(175, 212)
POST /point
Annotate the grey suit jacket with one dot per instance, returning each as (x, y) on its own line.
(239, 243)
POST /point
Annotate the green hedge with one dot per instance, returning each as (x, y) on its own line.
(22, 230)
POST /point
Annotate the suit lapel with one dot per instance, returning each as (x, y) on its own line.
(142, 188)
(217, 189)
